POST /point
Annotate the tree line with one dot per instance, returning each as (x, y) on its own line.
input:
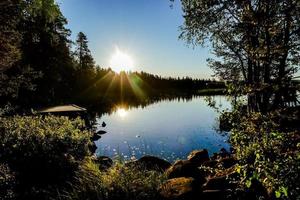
(38, 66)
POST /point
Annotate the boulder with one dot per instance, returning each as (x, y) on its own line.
(180, 189)
(104, 162)
(151, 163)
(185, 168)
(198, 157)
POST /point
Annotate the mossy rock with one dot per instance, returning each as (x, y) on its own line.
(185, 168)
(182, 188)
(198, 157)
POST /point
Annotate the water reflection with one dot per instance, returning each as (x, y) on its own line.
(122, 112)
(168, 128)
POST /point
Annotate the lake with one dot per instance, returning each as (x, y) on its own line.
(170, 129)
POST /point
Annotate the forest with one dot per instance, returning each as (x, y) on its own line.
(256, 44)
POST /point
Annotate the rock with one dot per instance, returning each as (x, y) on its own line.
(180, 189)
(101, 132)
(185, 168)
(151, 163)
(104, 162)
(198, 157)
(228, 162)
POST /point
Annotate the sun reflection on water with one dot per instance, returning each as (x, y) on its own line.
(122, 113)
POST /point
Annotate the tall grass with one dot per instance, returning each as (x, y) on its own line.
(118, 182)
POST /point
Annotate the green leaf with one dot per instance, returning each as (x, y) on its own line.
(284, 191)
(248, 183)
(277, 194)
(257, 155)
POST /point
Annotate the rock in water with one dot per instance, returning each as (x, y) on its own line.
(152, 163)
(198, 157)
(104, 162)
(101, 132)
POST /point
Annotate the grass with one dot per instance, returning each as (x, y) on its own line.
(118, 182)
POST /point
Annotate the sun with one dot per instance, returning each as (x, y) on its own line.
(122, 113)
(121, 61)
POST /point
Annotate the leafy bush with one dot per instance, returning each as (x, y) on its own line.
(267, 155)
(43, 151)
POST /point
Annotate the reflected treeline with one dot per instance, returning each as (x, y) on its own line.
(108, 107)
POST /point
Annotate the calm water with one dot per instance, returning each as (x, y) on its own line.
(169, 129)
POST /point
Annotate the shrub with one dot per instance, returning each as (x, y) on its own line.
(267, 155)
(43, 151)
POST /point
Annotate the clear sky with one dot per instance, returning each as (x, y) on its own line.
(147, 30)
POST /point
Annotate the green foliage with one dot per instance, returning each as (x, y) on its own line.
(9, 36)
(44, 152)
(13, 77)
(267, 155)
(118, 182)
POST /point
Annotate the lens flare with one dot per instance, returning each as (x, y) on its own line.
(121, 61)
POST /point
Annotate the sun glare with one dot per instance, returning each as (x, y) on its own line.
(120, 61)
(122, 112)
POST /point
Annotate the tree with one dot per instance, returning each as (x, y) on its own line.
(83, 53)
(46, 48)
(9, 36)
(258, 42)
(13, 76)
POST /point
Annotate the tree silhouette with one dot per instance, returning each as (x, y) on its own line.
(83, 54)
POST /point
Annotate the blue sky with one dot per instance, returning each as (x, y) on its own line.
(147, 30)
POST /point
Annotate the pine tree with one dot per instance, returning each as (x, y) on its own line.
(83, 53)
